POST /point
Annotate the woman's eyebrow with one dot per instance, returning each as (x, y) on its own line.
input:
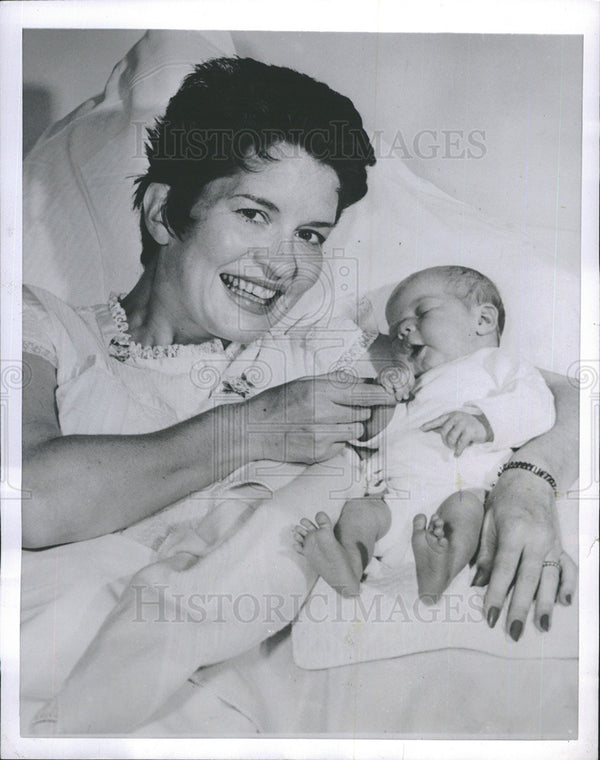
(319, 224)
(272, 207)
(261, 201)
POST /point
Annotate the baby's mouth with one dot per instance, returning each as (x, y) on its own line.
(263, 295)
(410, 350)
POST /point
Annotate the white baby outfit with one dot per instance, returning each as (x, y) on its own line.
(419, 471)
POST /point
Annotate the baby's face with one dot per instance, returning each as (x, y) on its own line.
(430, 326)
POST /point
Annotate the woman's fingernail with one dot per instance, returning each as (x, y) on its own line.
(479, 578)
(516, 628)
(568, 599)
(545, 623)
(492, 617)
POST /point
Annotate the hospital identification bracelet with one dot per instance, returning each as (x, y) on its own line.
(533, 469)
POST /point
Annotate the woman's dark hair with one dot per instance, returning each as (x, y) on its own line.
(229, 111)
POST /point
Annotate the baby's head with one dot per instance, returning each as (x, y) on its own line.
(440, 314)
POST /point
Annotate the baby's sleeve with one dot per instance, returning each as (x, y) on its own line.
(36, 335)
(520, 407)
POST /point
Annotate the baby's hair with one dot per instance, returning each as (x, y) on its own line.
(472, 287)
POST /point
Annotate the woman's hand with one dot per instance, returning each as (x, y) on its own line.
(520, 528)
(310, 420)
(520, 533)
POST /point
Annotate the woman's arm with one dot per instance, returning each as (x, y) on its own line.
(83, 486)
(520, 527)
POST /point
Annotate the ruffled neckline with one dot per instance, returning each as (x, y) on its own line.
(122, 346)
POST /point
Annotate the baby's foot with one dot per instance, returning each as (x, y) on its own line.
(325, 554)
(432, 557)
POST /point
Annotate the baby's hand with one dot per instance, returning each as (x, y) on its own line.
(460, 429)
(397, 379)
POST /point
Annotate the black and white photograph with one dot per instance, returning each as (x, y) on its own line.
(305, 446)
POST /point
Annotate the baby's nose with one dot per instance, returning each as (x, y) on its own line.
(406, 327)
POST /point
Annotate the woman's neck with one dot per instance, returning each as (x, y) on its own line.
(146, 324)
(154, 315)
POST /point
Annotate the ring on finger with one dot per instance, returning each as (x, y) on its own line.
(551, 563)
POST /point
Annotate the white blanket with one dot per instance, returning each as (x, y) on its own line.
(387, 620)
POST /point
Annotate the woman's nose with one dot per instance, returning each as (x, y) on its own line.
(285, 259)
(271, 263)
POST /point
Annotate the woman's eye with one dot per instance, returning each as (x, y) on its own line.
(311, 237)
(253, 214)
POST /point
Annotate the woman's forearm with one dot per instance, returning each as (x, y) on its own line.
(557, 450)
(85, 486)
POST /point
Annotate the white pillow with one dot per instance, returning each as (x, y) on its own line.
(81, 237)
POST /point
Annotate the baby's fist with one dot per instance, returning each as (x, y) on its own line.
(460, 429)
(397, 379)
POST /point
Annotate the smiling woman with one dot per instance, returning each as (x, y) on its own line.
(130, 401)
(247, 173)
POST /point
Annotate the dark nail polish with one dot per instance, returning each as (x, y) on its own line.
(479, 579)
(492, 617)
(568, 599)
(516, 628)
(545, 623)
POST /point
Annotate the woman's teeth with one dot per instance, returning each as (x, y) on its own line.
(247, 289)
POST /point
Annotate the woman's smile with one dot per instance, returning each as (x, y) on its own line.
(254, 296)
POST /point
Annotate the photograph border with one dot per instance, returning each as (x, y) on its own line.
(529, 16)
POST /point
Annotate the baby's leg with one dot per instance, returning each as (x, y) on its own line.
(341, 554)
(450, 541)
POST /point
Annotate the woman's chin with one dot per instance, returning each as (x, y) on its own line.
(248, 329)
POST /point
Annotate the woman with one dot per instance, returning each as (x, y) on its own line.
(247, 175)
(231, 240)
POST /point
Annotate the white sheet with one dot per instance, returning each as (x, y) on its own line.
(449, 693)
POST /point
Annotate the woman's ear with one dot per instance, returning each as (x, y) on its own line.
(154, 202)
(487, 320)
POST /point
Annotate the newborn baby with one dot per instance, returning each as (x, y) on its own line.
(467, 403)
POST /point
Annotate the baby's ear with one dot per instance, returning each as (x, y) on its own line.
(487, 319)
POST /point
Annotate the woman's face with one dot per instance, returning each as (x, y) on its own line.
(255, 248)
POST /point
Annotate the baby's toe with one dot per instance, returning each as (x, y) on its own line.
(436, 526)
(419, 523)
(304, 522)
(322, 520)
